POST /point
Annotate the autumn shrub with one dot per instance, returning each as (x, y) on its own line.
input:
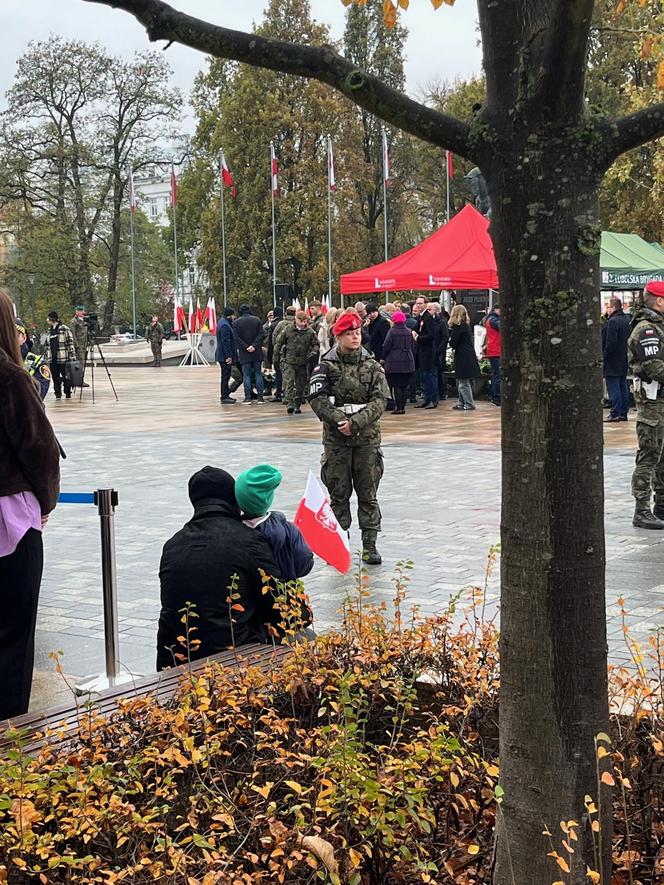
(366, 756)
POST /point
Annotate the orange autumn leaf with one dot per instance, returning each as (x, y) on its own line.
(607, 778)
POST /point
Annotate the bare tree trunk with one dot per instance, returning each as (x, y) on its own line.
(553, 632)
(114, 258)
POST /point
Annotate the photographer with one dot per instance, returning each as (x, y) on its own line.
(79, 331)
(61, 342)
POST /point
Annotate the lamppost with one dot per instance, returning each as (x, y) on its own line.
(31, 280)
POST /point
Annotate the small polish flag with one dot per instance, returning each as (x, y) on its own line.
(386, 161)
(132, 192)
(226, 177)
(199, 317)
(274, 172)
(331, 180)
(179, 319)
(449, 157)
(320, 528)
(324, 307)
(211, 316)
(306, 307)
(190, 323)
(174, 188)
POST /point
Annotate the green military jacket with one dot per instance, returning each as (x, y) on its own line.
(347, 379)
(79, 332)
(296, 346)
(645, 350)
(155, 333)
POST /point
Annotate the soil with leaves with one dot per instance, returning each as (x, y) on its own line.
(367, 756)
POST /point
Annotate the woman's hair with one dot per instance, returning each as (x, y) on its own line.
(8, 332)
(331, 315)
(459, 315)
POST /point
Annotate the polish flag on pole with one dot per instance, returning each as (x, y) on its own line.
(190, 323)
(179, 319)
(386, 161)
(174, 188)
(132, 192)
(306, 307)
(274, 171)
(320, 528)
(199, 317)
(226, 177)
(324, 307)
(211, 316)
(449, 157)
(331, 180)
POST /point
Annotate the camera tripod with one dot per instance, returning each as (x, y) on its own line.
(90, 358)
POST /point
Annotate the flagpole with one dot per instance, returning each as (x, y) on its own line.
(223, 228)
(385, 199)
(274, 232)
(329, 223)
(447, 178)
(131, 241)
(175, 232)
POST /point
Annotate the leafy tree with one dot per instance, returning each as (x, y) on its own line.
(543, 151)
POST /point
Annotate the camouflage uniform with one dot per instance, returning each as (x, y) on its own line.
(155, 337)
(646, 358)
(339, 384)
(80, 333)
(295, 351)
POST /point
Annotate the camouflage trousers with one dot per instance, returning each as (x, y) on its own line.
(156, 351)
(295, 384)
(648, 474)
(354, 467)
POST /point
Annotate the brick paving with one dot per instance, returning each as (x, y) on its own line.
(440, 498)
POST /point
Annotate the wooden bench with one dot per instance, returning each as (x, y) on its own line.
(57, 725)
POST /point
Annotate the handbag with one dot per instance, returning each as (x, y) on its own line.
(74, 373)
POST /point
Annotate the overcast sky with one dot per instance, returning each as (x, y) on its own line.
(441, 44)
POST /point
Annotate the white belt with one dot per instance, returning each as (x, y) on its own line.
(352, 408)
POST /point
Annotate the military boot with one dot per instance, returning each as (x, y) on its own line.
(369, 553)
(644, 519)
(658, 511)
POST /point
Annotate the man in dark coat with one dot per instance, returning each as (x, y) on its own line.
(199, 564)
(277, 317)
(378, 327)
(615, 335)
(428, 343)
(226, 354)
(249, 334)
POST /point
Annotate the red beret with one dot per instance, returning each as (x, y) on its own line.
(345, 322)
(656, 288)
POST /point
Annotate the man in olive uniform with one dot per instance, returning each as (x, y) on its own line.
(295, 353)
(646, 359)
(155, 337)
(348, 392)
(316, 312)
(80, 332)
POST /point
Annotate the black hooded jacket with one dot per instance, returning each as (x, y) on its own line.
(197, 566)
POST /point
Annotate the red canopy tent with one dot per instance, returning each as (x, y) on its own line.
(457, 256)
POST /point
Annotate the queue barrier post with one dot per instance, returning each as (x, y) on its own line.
(106, 500)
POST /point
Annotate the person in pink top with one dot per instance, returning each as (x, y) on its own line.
(29, 486)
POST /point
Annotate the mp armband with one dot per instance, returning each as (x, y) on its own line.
(319, 382)
(648, 347)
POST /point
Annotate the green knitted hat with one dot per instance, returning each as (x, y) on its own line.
(255, 488)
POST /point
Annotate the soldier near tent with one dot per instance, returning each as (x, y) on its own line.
(155, 335)
(646, 358)
(79, 332)
(295, 353)
(348, 392)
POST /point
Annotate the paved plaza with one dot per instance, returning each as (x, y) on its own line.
(440, 498)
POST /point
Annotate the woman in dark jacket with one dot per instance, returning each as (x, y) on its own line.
(466, 365)
(29, 485)
(399, 358)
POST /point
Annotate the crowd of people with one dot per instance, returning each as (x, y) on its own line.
(412, 341)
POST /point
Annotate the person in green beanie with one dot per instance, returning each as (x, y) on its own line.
(254, 493)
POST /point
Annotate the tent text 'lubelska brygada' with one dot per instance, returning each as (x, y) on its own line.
(457, 256)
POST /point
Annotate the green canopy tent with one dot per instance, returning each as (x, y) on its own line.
(629, 262)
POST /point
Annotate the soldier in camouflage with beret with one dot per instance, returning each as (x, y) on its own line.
(646, 357)
(295, 353)
(348, 392)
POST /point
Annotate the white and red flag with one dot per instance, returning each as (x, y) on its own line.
(211, 316)
(179, 319)
(449, 160)
(331, 180)
(274, 171)
(191, 318)
(306, 307)
(320, 528)
(174, 188)
(132, 192)
(386, 161)
(199, 317)
(324, 307)
(226, 176)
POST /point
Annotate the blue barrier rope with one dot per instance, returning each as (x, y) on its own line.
(76, 498)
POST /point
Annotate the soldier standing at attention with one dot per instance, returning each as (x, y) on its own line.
(80, 333)
(155, 337)
(295, 353)
(646, 359)
(348, 392)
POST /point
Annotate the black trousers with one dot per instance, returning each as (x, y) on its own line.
(58, 373)
(20, 577)
(225, 380)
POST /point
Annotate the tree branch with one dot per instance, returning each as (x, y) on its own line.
(625, 133)
(499, 22)
(322, 63)
(561, 89)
